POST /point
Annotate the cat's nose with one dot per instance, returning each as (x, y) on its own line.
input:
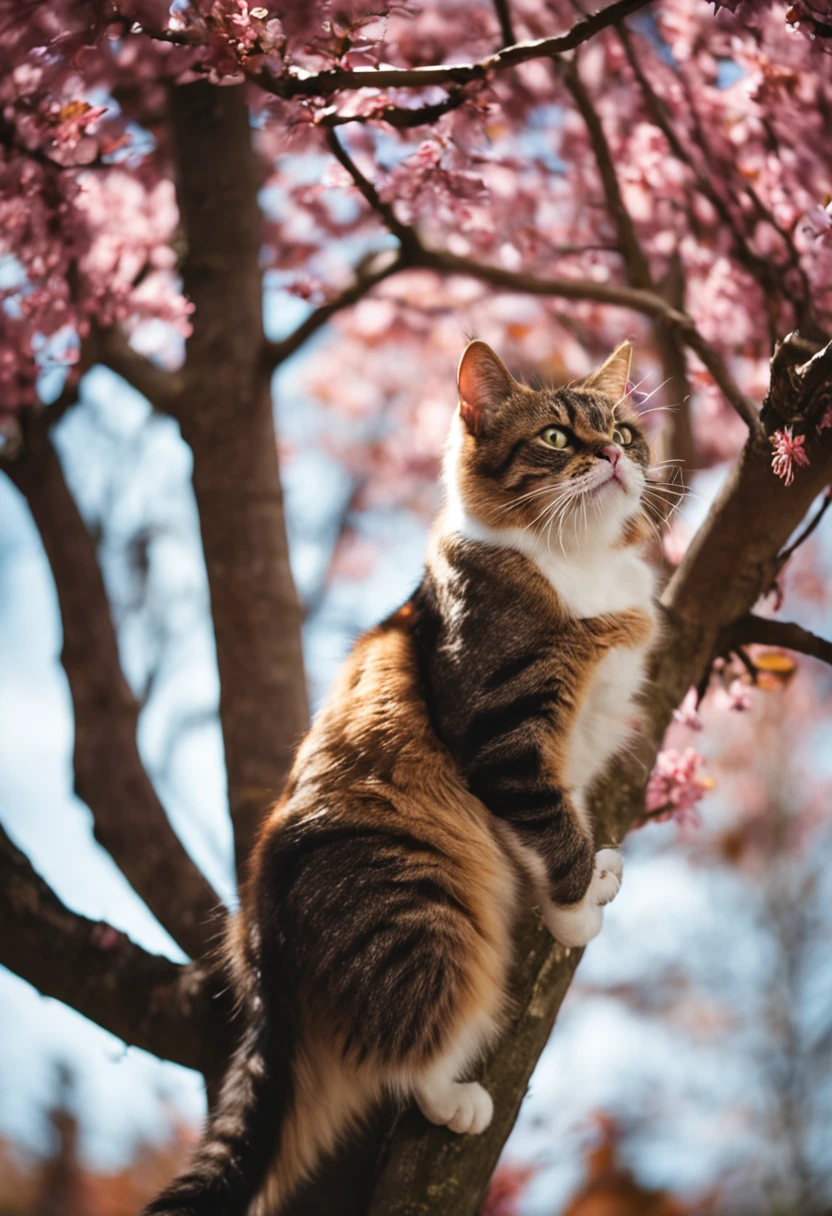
(610, 452)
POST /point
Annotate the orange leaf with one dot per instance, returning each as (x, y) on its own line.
(775, 661)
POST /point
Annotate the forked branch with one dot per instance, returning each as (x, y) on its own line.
(751, 629)
(142, 998)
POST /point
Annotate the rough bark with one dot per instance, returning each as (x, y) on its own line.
(128, 818)
(225, 413)
(144, 999)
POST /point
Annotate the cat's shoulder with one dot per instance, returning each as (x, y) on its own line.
(603, 582)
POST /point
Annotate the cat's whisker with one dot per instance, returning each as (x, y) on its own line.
(657, 409)
(656, 390)
(537, 493)
(629, 392)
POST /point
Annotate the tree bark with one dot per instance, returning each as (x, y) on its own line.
(144, 999)
(128, 818)
(225, 413)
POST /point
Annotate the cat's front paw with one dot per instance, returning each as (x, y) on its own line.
(577, 924)
(606, 878)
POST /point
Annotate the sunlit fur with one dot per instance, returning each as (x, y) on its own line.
(441, 789)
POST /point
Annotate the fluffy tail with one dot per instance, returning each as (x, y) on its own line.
(286, 1101)
(239, 1143)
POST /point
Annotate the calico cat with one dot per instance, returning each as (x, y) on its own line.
(445, 777)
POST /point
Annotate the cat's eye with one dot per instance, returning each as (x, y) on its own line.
(555, 437)
(623, 435)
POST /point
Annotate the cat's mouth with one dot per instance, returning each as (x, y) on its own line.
(612, 480)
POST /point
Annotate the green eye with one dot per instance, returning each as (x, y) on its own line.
(623, 435)
(555, 437)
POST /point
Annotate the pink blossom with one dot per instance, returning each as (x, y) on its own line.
(735, 698)
(688, 713)
(826, 420)
(676, 785)
(788, 454)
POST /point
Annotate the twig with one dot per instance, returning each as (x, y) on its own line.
(276, 353)
(783, 557)
(501, 8)
(401, 117)
(406, 236)
(758, 630)
(647, 302)
(635, 260)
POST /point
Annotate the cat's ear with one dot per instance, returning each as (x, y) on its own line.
(612, 376)
(484, 384)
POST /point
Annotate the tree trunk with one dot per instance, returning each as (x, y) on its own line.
(226, 419)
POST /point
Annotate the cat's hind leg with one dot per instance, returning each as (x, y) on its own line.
(444, 1099)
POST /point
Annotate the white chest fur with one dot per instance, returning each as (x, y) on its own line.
(605, 579)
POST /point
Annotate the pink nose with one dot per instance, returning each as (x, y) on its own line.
(610, 452)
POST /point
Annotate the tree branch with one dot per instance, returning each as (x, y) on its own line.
(669, 323)
(806, 532)
(128, 818)
(225, 414)
(635, 261)
(161, 388)
(365, 280)
(750, 629)
(647, 302)
(768, 273)
(501, 8)
(637, 266)
(334, 80)
(405, 235)
(144, 999)
(403, 118)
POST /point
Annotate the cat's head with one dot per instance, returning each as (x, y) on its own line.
(568, 464)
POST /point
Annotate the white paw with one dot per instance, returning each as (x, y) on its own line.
(606, 881)
(463, 1106)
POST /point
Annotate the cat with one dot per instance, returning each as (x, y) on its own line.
(445, 777)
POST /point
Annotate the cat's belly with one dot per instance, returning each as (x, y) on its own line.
(606, 718)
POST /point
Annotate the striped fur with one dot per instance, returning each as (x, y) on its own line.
(444, 780)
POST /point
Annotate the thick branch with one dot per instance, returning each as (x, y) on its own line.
(786, 634)
(144, 999)
(160, 387)
(334, 80)
(226, 418)
(128, 818)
